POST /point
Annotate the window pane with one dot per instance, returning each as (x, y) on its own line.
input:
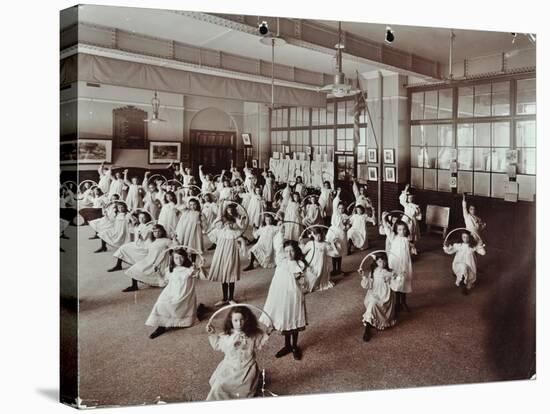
(445, 135)
(323, 137)
(416, 178)
(417, 105)
(416, 135)
(526, 135)
(498, 162)
(482, 135)
(481, 184)
(417, 156)
(465, 102)
(298, 116)
(284, 123)
(445, 109)
(443, 180)
(350, 112)
(340, 145)
(330, 113)
(430, 134)
(526, 97)
(322, 116)
(465, 159)
(497, 185)
(315, 137)
(341, 113)
(527, 161)
(465, 182)
(341, 133)
(293, 116)
(465, 135)
(430, 110)
(330, 137)
(315, 117)
(292, 138)
(349, 145)
(444, 158)
(501, 98)
(482, 100)
(430, 157)
(482, 159)
(429, 180)
(501, 134)
(363, 136)
(527, 187)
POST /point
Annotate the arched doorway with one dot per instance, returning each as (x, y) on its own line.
(213, 141)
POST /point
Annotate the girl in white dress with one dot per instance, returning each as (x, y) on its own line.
(299, 187)
(317, 253)
(414, 214)
(95, 211)
(249, 178)
(269, 187)
(237, 375)
(312, 213)
(136, 250)
(338, 233)
(133, 198)
(263, 251)
(150, 192)
(226, 262)
(168, 217)
(105, 177)
(285, 301)
(361, 198)
(391, 220)
(464, 263)
(176, 306)
(255, 207)
(380, 299)
(209, 212)
(150, 269)
(189, 229)
(471, 221)
(399, 261)
(325, 201)
(106, 221)
(118, 233)
(117, 185)
(226, 192)
(286, 196)
(207, 184)
(357, 233)
(293, 218)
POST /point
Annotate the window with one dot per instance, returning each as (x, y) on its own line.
(488, 123)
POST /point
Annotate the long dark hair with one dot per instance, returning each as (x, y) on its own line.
(377, 256)
(401, 223)
(160, 227)
(472, 242)
(182, 252)
(298, 254)
(250, 325)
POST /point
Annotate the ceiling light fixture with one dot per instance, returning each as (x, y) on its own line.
(390, 36)
(263, 28)
(155, 103)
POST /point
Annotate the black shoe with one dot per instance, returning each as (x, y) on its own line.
(297, 353)
(366, 335)
(94, 237)
(101, 250)
(405, 307)
(131, 289)
(464, 289)
(335, 273)
(249, 267)
(201, 311)
(64, 237)
(284, 351)
(115, 269)
(213, 247)
(158, 332)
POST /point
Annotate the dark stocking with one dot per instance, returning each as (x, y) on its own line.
(118, 266)
(251, 264)
(193, 257)
(231, 290)
(287, 349)
(133, 287)
(367, 335)
(103, 247)
(225, 288)
(296, 351)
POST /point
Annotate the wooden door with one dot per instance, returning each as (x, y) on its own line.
(214, 150)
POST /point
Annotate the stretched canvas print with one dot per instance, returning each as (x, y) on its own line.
(188, 276)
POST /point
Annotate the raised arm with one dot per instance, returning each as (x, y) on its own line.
(145, 183)
(336, 200)
(355, 189)
(100, 169)
(403, 196)
(126, 180)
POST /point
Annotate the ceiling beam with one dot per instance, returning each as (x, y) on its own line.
(322, 38)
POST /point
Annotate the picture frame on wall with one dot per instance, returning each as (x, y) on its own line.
(254, 163)
(389, 157)
(389, 174)
(373, 173)
(86, 151)
(512, 156)
(372, 155)
(247, 141)
(164, 152)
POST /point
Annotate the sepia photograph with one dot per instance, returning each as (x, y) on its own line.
(197, 267)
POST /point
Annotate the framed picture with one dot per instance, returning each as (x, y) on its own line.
(512, 157)
(373, 173)
(389, 174)
(86, 151)
(164, 152)
(286, 149)
(453, 182)
(246, 140)
(372, 155)
(389, 156)
(254, 163)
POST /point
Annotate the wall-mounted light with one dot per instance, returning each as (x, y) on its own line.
(263, 28)
(390, 36)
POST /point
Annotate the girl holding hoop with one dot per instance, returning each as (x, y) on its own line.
(399, 260)
(189, 228)
(255, 208)
(237, 375)
(269, 187)
(263, 251)
(325, 200)
(464, 263)
(133, 198)
(285, 301)
(105, 177)
(317, 252)
(226, 262)
(312, 213)
(412, 216)
(357, 233)
(361, 198)
(117, 234)
(337, 233)
(207, 184)
(379, 300)
(168, 217)
(176, 306)
(293, 218)
(150, 196)
(472, 222)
